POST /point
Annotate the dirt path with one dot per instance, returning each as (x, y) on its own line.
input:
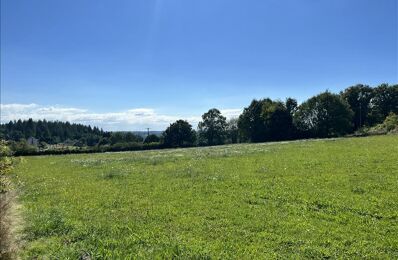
(10, 225)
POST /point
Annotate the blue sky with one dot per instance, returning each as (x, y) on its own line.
(125, 64)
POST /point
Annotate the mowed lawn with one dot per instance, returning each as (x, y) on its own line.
(333, 198)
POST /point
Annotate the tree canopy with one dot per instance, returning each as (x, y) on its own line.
(179, 134)
(266, 120)
(213, 128)
(359, 97)
(324, 115)
(383, 102)
(48, 131)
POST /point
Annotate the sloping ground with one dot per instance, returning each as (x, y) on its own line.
(333, 198)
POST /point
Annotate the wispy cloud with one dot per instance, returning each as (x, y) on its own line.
(231, 113)
(131, 119)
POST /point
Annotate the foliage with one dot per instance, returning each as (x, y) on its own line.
(333, 198)
(152, 139)
(266, 120)
(325, 115)
(22, 147)
(124, 137)
(212, 129)
(50, 132)
(59, 137)
(233, 131)
(391, 122)
(278, 121)
(250, 123)
(358, 108)
(384, 101)
(179, 134)
(5, 166)
(291, 105)
(389, 125)
(359, 97)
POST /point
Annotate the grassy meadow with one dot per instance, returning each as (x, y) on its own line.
(334, 198)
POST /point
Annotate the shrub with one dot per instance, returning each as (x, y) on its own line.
(5, 166)
(389, 125)
(152, 139)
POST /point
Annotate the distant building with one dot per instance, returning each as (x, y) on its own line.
(32, 141)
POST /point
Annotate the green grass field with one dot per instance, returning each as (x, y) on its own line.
(316, 199)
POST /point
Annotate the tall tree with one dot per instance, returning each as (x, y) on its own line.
(358, 97)
(266, 120)
(179, 134)
(384, 101)
(291, 105)
(43, 133)
(250, 123)
(277, 120)
(29, 128)
(324, 115)
(213, 127)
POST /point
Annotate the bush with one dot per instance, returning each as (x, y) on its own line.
(5, 166)
(389, 125)
(22, 147)
(152, 139)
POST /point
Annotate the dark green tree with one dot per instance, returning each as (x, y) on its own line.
(152, 139)
(29, 128)
(383, 102)
(324, 115)
(16, 135)
(53, 132)
(250, 122)
(213, 127)
(278, 121)
(179, 134)
(358, 97)
(291, 105)
(266, 120)
(132, 138)
(42, 131)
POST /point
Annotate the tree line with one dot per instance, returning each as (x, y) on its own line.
(51, 132)
(324, 115)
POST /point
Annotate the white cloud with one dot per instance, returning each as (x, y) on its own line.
(131, 119)
(17, 107)
(231, 113)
